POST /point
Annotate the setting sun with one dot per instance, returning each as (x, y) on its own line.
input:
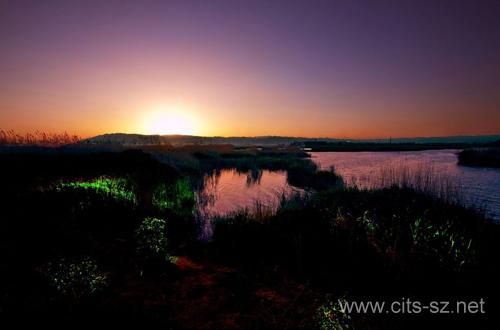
(170, 122)
(245, 164)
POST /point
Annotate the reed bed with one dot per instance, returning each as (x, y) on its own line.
(423, 179)
(37, 138)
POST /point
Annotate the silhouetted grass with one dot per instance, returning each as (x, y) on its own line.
(91, 236)
(382, 213)
(422, 179)
(11, 138)
(371, 243)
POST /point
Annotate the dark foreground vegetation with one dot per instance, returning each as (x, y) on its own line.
(111, 239)
(369, 246)
(487, 157)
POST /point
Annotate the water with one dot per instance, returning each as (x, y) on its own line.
(478, 186)
(229, 191)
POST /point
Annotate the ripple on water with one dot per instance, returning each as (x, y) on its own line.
(478, 187)
(229, 191)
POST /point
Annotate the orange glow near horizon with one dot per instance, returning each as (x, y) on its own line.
(173, 67)
(182, 120)
(171, 119)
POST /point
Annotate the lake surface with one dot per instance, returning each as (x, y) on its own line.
(477, 186)
(229, 190)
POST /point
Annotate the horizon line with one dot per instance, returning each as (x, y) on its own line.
(303, 137)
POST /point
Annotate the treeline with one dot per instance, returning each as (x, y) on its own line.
(488, 157)
(388, 146)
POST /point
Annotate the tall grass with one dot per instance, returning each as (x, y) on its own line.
(118, 188)
(259, 212)
(342, 234)
(38, 138)
(177, 197)
(423, 179)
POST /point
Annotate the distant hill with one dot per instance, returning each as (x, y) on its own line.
(440, 139)
(139, 139)
(124, 139)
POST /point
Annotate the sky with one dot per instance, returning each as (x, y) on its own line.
(346, 69)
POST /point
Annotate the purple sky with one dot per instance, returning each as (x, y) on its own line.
(303, 68)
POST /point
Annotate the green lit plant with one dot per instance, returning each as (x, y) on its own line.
(152, 238)
(368, 223)
(445, 240)
(177, 197)
(75, 278)
(118, 188)
(331, 316)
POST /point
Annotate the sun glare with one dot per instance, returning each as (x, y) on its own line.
(170, 122)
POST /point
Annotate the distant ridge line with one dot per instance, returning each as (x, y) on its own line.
(269, 140)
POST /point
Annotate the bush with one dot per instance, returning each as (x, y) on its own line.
(489, 157)
(152, 238)
(76, 279)
(331, 316)
(312, 177)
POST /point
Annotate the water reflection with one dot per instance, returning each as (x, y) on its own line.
(228, 190)
(433, 169)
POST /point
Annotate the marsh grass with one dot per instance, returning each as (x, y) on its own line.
(200, 161)
(392, 242)
(177, 197)
(423, 179)
(259, 212)
(312, 177)
(118, 188)
(37, 138)
(393, 228)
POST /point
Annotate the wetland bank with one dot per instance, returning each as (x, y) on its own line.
(217, 237)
